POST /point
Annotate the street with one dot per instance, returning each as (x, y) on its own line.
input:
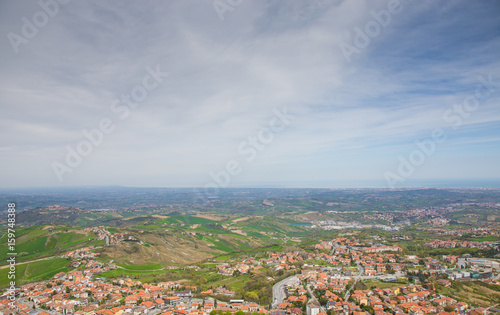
(313, 297)
(279, 291)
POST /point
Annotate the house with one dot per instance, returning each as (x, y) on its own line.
(185, 293)
(312, 309)
(148, 305)
(172, 300)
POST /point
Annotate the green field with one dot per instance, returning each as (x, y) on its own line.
(144, 275)
(186, 219)
(35, 242)
(143, 267)
(233, 283)
(35, 271)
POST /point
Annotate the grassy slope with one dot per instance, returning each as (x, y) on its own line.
(35, 242)
(35, 271)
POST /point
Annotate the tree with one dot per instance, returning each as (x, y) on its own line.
(367, 308)
(449, 309)
(323, 300)
(252, 295)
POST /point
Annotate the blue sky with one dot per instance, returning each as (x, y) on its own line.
(352, 119)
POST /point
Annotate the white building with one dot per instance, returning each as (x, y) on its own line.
(312, 309)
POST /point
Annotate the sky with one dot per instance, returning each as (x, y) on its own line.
(241, 93)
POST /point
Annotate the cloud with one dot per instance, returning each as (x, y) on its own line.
(226, 78)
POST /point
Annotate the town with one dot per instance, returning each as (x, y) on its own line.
(340, 276)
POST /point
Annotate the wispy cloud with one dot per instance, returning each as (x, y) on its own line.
(227, 76)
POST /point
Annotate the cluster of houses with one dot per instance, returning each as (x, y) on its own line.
(438, 222)
(410, 299)
(472, 232)
(384, 216)
(103, 234)
(83, 292)
(355, 245)
(229, 270)
(283, 261)
(218, 291)
(341, 241)
(82, 253)
(80, 292)
(320, 280)
(454, 244)
(374, 259)
(381, 249)
(384, 260)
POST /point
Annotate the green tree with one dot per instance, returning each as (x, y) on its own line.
(323, 300)
(252, 295)
(449, 309)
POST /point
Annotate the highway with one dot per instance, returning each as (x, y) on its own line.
(279, 290)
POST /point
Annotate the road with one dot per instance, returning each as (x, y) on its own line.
(30, 261)
(313, 297)
(279, 290)
(360, 271)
